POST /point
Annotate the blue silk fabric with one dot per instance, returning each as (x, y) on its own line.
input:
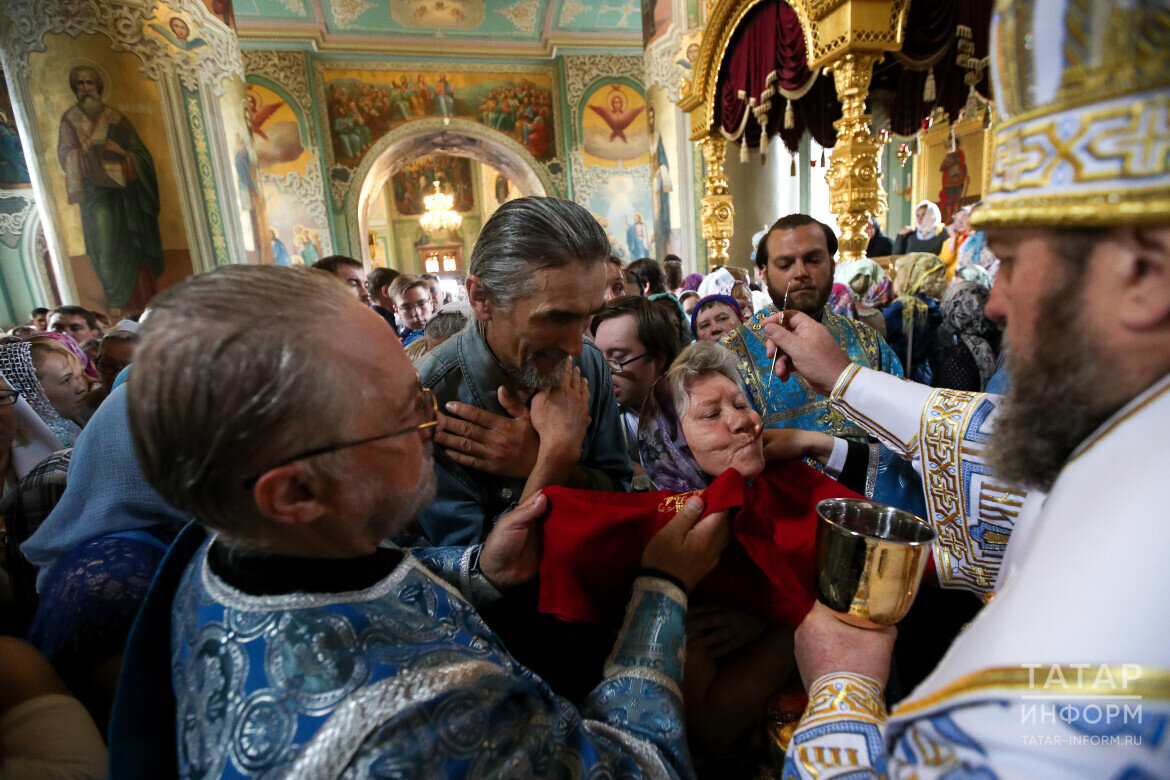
(404, 679)
(793, 404)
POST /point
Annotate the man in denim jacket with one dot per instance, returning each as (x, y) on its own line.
(537, 277)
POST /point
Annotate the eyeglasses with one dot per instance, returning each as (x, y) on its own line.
(109, 364)
(8, 397)
(617, 369)
(418, 306)
(427, 406)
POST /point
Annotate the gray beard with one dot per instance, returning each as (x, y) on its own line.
(528, 375)
(1059, 396)
(91, 106)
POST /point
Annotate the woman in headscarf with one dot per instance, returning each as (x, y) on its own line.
(697, 424)
(960, 231)
(55, 403)
(966, 355)
(912, 320)
(927, 234)
(975, 253)
(88, 366)
(715, 316)
(97, 553)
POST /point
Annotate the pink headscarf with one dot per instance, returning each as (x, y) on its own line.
(65, 340)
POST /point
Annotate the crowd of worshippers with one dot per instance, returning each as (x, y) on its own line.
(443, 516)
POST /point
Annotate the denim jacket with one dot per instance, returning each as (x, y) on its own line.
(468, 501)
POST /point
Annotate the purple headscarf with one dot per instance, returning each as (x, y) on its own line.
(65, 340)
(841, 302)
(692, 282)
(879, 295)
(734, 304)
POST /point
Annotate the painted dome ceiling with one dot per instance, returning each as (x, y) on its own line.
(447, 27)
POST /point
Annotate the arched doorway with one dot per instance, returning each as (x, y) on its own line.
(454, 137)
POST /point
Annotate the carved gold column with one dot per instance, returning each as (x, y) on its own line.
(718, 212)
(856, 191)
(847, 38)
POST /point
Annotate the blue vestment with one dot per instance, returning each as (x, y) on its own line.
(793, 404)
(401, 679)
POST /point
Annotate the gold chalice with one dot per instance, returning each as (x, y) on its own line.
(869, 560)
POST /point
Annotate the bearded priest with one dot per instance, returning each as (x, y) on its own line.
(1046, 500)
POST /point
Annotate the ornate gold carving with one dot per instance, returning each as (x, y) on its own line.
(835, 27)
(718, 213)
(856, 191)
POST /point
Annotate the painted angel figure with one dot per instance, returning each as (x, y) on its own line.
(178, 34)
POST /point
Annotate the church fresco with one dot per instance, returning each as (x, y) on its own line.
(239, 129)
(415, 181)
(614, 124)
(661, 119)
(623, 208)
(13, 167)
(111, 172)
(438, 14)
(284, 161)
(363, 105)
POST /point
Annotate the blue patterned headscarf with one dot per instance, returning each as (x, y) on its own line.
(105, 491)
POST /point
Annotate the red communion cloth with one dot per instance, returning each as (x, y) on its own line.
(593, 543)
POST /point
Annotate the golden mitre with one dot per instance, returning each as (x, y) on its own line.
(1082, 93)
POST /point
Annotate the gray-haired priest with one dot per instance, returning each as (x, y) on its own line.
(281, 638)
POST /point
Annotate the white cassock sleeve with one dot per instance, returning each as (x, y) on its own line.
(944, 433)
(983, 727)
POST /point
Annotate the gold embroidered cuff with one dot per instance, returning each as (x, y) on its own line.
(845, 696)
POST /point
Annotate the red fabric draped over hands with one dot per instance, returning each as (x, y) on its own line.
(593, 542)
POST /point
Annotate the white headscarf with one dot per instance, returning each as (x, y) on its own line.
(16, 366)
(718, 283)
(930, 223)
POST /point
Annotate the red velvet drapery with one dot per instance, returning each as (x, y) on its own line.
(765, 86)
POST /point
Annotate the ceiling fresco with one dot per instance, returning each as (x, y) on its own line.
(473, 27)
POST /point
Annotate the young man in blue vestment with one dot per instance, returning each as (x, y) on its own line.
(796, 257)
(300, 646)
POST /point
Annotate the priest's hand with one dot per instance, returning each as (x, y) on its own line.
(560, 414)
(793, 444)
(807, 348)
(511, 551)
(825, 644)
(688, 547)
(490, 442)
